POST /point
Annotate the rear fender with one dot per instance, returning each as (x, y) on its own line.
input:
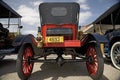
(113, 40)
(94, 38)
(91, 39)
(22, 39)
(27, 39)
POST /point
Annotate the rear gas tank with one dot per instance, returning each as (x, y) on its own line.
(59, 31)
(68, 31)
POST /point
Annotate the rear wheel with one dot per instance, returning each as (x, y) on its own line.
(95, 63)
(115, 54)
(24, 65)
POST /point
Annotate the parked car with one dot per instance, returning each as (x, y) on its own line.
(7, 35)
(109, 23)
(58, 35)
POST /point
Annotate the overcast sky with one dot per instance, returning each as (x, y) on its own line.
(28, 9)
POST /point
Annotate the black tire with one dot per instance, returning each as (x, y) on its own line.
(1, 57)
(95, 63)
(115, 55)
(24, 66)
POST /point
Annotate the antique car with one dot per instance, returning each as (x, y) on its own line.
(58, 36)
(109, 24)
(9, 20)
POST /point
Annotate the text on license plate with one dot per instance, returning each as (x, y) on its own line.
(54, 39)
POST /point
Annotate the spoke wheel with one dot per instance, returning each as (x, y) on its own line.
(95, 63)
(24, 64)
(115, 55)
(92, 64)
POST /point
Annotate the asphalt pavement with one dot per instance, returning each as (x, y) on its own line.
(51, 71)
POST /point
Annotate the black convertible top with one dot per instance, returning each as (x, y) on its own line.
(6, 11)
(59, 13)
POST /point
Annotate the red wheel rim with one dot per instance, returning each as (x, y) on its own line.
(27, 65)
(92, 66)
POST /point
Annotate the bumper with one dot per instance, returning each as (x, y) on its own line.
(66, 43)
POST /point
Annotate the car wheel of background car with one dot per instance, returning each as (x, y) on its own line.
(24, 65)
(1, 57)
(115, 54)
(95, 63)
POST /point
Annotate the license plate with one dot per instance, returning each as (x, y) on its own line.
(54, 39)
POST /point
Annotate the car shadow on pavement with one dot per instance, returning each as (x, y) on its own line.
(7, 66)
(54, 72)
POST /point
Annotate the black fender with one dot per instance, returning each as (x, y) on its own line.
(22, 39)
(114, 37)
(27, 39)
(96, 39)
(90, 39)
(93, 37)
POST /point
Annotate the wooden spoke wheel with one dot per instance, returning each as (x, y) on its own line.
(95, 63)
(24, 63)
